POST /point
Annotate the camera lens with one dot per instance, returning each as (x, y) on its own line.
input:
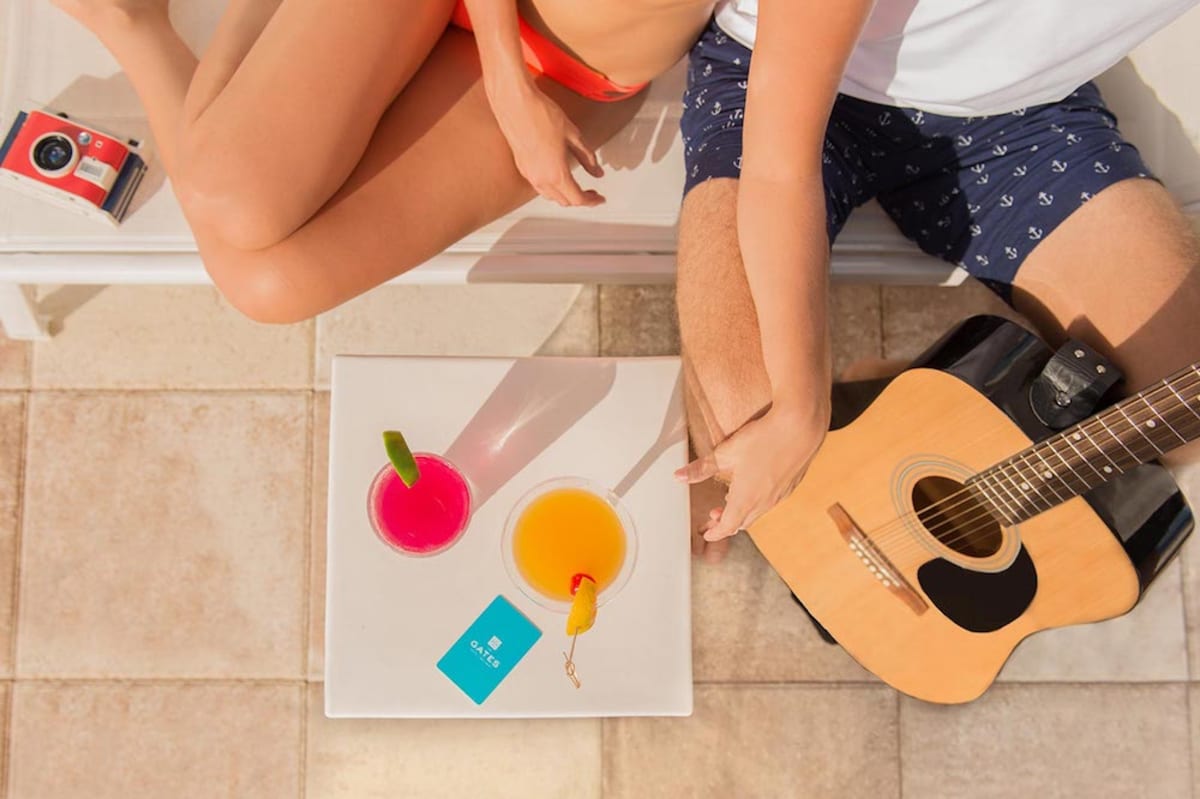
(53, 153)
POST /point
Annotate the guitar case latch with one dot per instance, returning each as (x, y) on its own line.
(1071, 385)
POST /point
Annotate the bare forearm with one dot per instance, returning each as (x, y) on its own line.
(802, 49)
(497, 35)
(781, 227)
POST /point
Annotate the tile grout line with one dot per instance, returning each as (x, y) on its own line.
(1191, 735)
(306, 591)
(304, 711)
(31, 362)
(1187, 635)
(599, 321)
(18, 540)
(185, 390)
(781, 684)
(603, 725)
(597, 349)
(312, 353)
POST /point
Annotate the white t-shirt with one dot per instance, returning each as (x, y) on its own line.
(981, 57)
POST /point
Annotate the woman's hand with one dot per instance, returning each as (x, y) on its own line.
(544, 143)
(763, 462)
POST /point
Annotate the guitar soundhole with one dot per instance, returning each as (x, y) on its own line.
(956, 518)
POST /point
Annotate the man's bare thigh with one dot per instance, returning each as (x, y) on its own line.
(727, 381)
(1123, 274)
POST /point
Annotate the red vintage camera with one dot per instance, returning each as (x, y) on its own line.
(70, 165)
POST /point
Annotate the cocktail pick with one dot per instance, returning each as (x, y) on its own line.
(581, 618)
(571, 663)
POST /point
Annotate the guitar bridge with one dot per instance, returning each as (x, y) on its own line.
(875, 561)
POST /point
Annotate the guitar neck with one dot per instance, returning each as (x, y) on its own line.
(1136, 430)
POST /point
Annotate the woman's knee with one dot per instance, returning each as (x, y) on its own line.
(222, 193)
(239, 218)
(259, 286)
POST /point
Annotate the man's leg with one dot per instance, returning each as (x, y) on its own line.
(1122, 273)
(727, 383)
(1054, 203)
(727, 380)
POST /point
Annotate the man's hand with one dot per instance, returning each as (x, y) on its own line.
(762, 462)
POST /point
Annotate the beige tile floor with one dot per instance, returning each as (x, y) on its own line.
(162, 475)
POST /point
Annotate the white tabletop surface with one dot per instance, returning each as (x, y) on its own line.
(509, 424)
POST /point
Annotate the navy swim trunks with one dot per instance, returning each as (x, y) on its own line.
(980, 192)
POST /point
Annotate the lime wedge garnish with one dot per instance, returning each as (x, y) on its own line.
(401, 457)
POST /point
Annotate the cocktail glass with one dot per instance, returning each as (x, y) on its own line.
(427, 518)
(564, 528)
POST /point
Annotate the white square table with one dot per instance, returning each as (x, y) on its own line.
(509, 424)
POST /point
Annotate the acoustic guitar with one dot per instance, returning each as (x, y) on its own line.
(960, 512)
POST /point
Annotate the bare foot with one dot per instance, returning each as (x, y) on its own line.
(710, 551)
(707, 500)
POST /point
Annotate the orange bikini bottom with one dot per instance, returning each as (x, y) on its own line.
(544, 57)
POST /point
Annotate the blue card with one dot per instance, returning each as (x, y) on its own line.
(489, 649)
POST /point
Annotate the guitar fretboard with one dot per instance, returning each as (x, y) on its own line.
(1136, 430)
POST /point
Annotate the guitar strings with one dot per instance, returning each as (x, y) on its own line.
(1131, 422)
(981, 521)
(986, 516)
(1004, 468)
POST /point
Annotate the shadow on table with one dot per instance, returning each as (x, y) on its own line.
(533, 406)
(674, 427)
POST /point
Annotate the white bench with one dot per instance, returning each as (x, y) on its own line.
(631, 239)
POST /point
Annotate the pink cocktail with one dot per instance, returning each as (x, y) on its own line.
(427, 518)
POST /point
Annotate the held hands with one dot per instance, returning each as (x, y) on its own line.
(544, 142)
(762, 462)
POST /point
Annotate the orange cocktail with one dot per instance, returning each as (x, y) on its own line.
(563, 531)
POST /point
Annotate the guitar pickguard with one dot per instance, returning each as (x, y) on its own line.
(981, 602)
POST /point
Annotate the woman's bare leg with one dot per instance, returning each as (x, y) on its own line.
(435, 168)
(239, 28)
(271, 145)
(283, 102)
(157, 61)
